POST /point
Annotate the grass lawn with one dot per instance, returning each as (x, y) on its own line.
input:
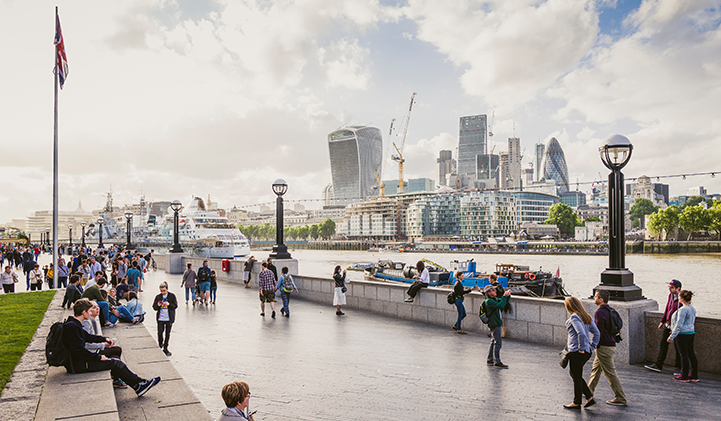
(20, 315)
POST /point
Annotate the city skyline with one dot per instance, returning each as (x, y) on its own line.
(182, 98)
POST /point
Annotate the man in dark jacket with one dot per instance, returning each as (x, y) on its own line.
(165, 304)
(80, 360)
(605, 350)
(674, 288)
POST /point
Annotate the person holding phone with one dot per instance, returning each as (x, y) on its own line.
(165, 304)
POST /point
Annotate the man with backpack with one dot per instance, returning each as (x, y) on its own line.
(78, 359)
(204, 282)
(493, 306)
(609, 323)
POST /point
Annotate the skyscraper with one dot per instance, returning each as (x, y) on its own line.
(554, 165)
(540, 148)
(356, 152)
(471, 143)
(446, 165)
(514, 162)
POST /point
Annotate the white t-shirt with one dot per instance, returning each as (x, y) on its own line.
(425, 276)
(164, 316)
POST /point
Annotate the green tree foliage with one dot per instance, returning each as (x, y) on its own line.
(664, 220)
(564, 218)
(692, 201)
(327, 229)
(324, 230)
(694, 218)
(314, 232)
(714, 214)
(641, 208)
(592, 219)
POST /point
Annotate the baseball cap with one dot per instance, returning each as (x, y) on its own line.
(488, 288)
(675, 283)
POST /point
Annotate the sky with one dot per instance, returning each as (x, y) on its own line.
(175, 98)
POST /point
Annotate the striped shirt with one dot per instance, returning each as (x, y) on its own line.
(266, 280)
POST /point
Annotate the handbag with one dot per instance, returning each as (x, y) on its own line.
(564, 358)
(343, 290)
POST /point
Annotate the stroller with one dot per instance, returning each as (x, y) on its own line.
(198, 298)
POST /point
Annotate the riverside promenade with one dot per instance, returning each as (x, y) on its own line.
(315, 365)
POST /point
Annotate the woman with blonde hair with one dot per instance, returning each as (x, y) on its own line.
(580, 325)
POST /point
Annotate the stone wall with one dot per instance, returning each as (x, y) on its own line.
(708, 332)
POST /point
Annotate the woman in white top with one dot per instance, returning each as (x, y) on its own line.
(421, 281)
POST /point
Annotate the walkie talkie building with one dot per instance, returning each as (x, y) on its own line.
(554, 165)
(355, 153)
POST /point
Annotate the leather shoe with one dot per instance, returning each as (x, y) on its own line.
(572, 406)
(589, 402)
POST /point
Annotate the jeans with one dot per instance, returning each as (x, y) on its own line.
(164, 327)
(604, 363)
(684, 344)
(104, 311)
(188, 290)
(62, 280)
(213, 293)
(125, 315)
(461, 312)
(415, 287)
(576, 362)
(285, 296)
(494, 350)
(663, 350)
(118, 370)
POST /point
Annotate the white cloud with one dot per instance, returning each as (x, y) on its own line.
(345, 66)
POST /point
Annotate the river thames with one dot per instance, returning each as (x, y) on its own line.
(697, 272)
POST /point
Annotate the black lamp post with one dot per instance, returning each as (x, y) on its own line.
(70, 234)
(47, 237)
(617, 279)
(280, 251)
(128, 228)
(83, 224)
(100, 232)
(177, 207)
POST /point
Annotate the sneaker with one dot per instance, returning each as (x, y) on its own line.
(408, 300)
(167, 353)
(119, 384)
(500, 365)
(287, 314)
(489, 362)
(160, 346)
(694, 380)
(454, 327)
(676, 372)
(652, 367)
(282, 311)
(136, 320)
(142, 388)
(339, 313)
(272, 315)
(614, 402)
(460, 332)
(681, 379)
(262, 314)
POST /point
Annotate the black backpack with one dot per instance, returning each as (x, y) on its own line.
(451, 297)
(204, 274)
(483, 313)
(56, 354)
(616, 324)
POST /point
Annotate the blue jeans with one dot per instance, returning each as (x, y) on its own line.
(461, 312)
(104, 311)
(188, 290)
(213, 293)
(494, 350)
(286, 300)
(125, 315)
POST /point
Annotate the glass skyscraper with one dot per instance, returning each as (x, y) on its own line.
(356, 152)
(554, 165)
(471, 143)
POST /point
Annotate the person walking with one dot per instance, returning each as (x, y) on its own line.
(459, 292)
(63, 273)
(421, 281)
(165, 304)
(247, 271)
(8, 279)
(286, 286)
(213, 286)
(204, 282)
(672, 305)
(189, 277)
(683, 332)
(494, 305)
(266, 290)
(339, 295)
(604, 353)
(580, 326)
(36, 278)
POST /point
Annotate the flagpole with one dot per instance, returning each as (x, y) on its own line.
(55, 167)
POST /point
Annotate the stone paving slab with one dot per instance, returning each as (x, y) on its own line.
(77, 396)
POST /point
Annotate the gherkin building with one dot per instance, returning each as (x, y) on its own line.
(554, 166)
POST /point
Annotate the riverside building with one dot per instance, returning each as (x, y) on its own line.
(472, 138)
(356, 153)
(488, 214)
(436, 215)
(445, 165)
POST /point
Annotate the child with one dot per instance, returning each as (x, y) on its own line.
(213, 286)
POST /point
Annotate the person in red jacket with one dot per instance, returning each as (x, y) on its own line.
(674, 287)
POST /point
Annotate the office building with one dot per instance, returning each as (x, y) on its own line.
(573, 198)
(414, 185)
(487, 214)
(472, 135)
(435, 215)
(540, 149)
(487, 166)
(554, 165)
(355, 155)
(445, 165)
(533, 206)
(514, 163)
(527, 177)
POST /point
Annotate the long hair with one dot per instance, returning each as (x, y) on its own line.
(337, 270)
(420, 266)
(574, 306)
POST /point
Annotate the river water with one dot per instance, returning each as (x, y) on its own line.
(697, 272)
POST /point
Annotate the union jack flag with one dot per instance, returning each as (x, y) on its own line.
(61, 61)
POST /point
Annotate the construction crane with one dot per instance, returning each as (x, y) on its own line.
(399, 158)
(490, 130)
(380, 186)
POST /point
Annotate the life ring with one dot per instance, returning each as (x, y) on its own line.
(532, 276)
(525, 276)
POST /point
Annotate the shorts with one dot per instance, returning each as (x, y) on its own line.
(204, 286)
(267, 296)
(246, 276)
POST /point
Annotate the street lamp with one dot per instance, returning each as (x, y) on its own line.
(280, 251)
(70, 234)
(617, 279)
(177, 207)
(128, 218)
(100, 232)
(83, 224)
(47, 237)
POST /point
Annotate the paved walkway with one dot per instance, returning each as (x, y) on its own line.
(318, 366)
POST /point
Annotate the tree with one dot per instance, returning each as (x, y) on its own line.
(592, 219)
(303, 232)
(714, 214)
(694, 218)
(327, 229)
(641, 208)
(314, 231)
(564, 218)
(692, 201)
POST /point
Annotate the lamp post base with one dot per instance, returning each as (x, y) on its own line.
(176, 249)
(619, 283)
(280, 252)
